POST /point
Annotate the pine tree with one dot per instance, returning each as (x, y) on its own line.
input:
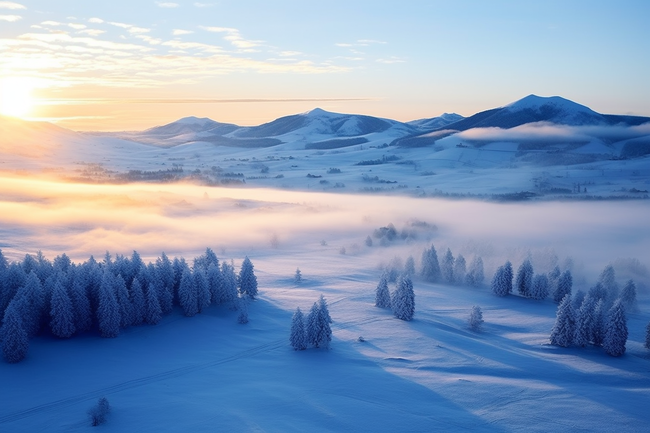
(447, 267)
(499, 284)
(187, 295)
(598, 331)
(564, 286)
(647, 336)
(525, 278)
(80, 301)
(475, 275)
(298, 338)
(242, 307)
(628, 295)
(152, 313)
(608, 280)
(215, 282)
(165, 272)
(14, 338)
(297, 278)
(564, 328)
(584, 330)
(539, 290)
(229, 283)
(32, 305)
(138, 301)
(202, 287)
(368, 243)
(475, 319)
(122, 296)
(615, 331)
(409, 266)
(319, 332)
(382, 295)
(430, 266)
(247, 279)
(62, 322)
(403, 299)
(460, 269)
(553, 280)
(108, 311)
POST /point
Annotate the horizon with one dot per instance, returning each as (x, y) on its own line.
(85, 66)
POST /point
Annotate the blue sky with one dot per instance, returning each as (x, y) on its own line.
(101, 65)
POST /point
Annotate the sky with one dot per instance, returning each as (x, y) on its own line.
(129, 65)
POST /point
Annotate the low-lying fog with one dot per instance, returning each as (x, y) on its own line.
(182, 219)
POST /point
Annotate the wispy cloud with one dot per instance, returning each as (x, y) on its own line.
(234, 37)
(180, 32)
(203, 5)
(96, 20)
(360, 43)
(11, 5)
(10, 18)
(169, 5)
(391, 60)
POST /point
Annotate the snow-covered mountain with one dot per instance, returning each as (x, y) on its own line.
(435, 123)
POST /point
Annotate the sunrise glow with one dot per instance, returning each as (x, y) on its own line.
(16, 96)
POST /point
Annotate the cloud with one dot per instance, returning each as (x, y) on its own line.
(180, 32)
(11, 5)
(290, 53)
(391, 60)
(168, 5)
(203, 5)
(234, 37)
(96, 20)
(10, 18)
(360, 43)
(92, 32)
(77, 26)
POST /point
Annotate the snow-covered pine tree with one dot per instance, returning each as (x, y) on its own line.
(628, 295)
(81, 304)
(599, 292)
(539, 290)
(14, 338)
(242, 307)
(599, 323)
(122, 295)
(187, 294)
(215, 282)
(447, 267)
(32, 305)
(564, 328)
(475, 320)
(319, 332)
(61, 313)
(475, 274)
(460, 269)
(202, 287)
(247, 279)
(615, 330)
(298, 338)
(564, 285)
(647, 336)
(409, 266)
(584, 329)
(368, 241)
(13, 278)
(108, 310)
(382, 295)
(165, 272)
(297, 277)
(229, 294)
(152, 312)
(608, 280)
(99, 412)
(524, 281)
(430, 266)
(507, 276)
(499, 286)
(553, 280)
(138, 301)
(403, 299)
(577, 299)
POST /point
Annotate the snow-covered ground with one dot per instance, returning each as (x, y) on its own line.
(208, 373)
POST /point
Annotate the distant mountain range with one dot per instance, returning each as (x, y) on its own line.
(320, 129)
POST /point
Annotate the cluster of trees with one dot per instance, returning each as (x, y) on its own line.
(67, 299)
(597, 317)
(315, 330)
(451, 270)
(401, 301)
(531, 285)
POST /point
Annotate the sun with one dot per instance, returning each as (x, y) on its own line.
(16, 96)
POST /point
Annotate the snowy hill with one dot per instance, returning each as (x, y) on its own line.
(435, 123)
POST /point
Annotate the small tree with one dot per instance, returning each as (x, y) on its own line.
(460, 269)
(628, 295)
(430, 266)
(584, 330)
(319, 332)
(409, 266)
(403, 299)
(99, 412)
(564, 285)
(14, 339)
(382, 295)
(525, 278)
(564, 328)
(615, 331)
(242, 307)
(297, 278)
(298, 338)
(475, 275)
(502, 281)
(247, 279)
(598, 331)
(475, 320)
(447, 267)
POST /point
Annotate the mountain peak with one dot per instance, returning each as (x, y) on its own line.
(193, 120)
(535, 102)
